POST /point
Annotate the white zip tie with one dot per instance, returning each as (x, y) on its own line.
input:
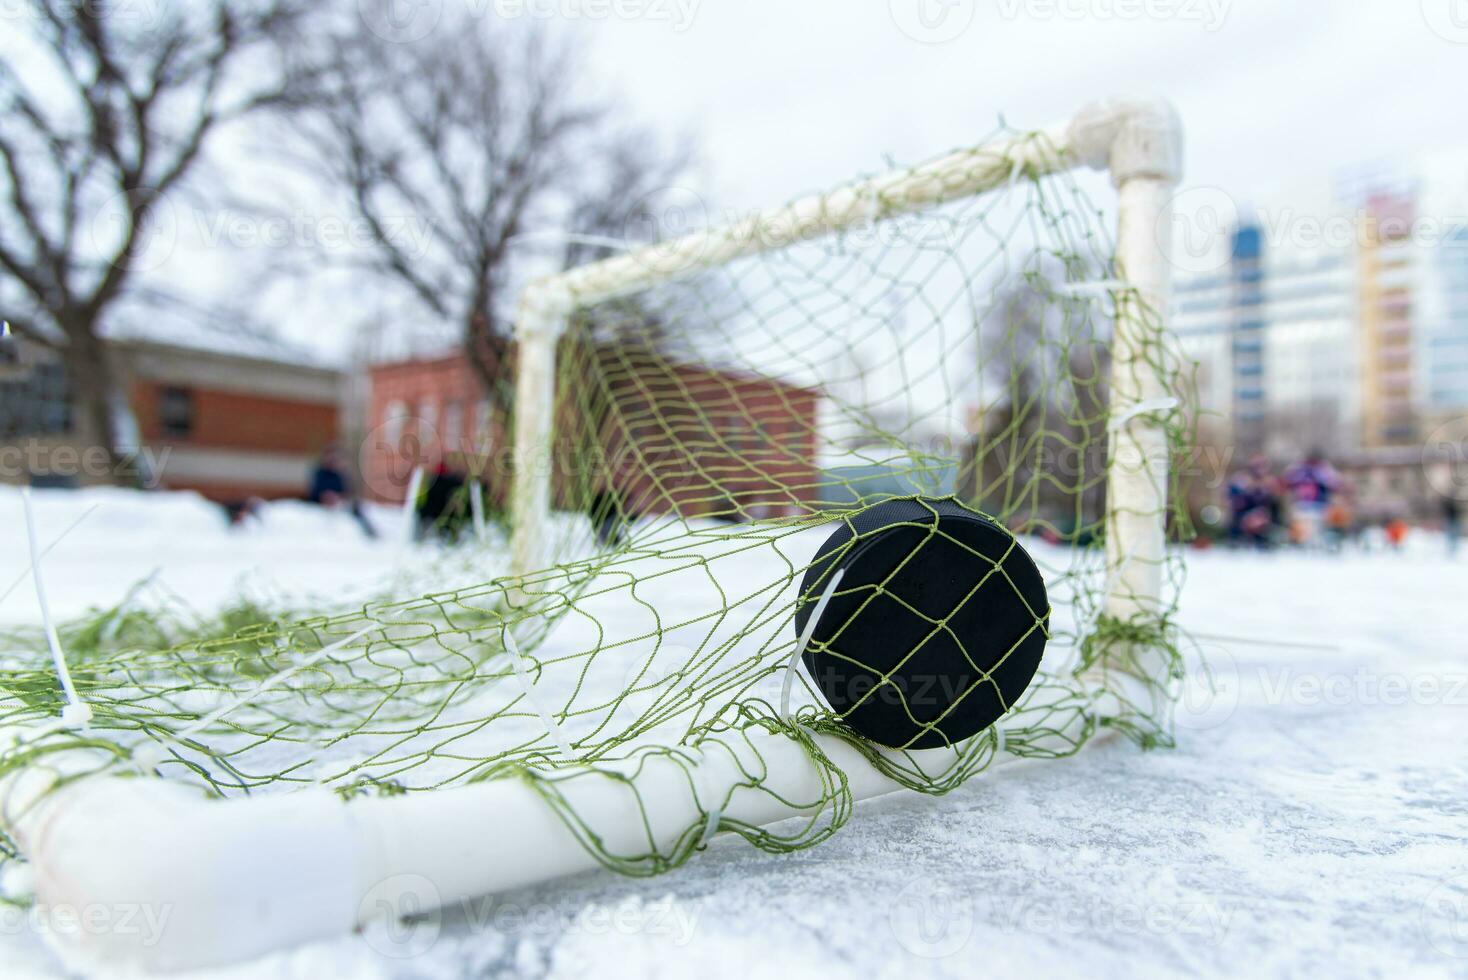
(410, 509)
(557, 735)
(20, 579)
(149, 755)
(1139, 409)
(805, 637)
(77, 713)
(476, 505)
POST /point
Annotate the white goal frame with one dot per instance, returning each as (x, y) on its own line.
(1138, 141)
(242, 878)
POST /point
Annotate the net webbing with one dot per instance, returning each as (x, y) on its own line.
(708, 431)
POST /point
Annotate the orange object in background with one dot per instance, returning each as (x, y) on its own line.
(1396, 532)
(1301, 531)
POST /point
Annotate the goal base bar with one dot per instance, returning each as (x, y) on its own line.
(230, 881)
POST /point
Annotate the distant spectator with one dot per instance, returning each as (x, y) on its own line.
(444, 507)
(1254, 504)
(1313, 483)
(1452, 522)
(608, 517)
(331, 487)
(244, 512)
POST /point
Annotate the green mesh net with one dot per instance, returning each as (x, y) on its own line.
(709, 433)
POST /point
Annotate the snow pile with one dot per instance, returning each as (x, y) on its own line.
(185, 546)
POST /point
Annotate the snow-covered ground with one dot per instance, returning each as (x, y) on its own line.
(1313, 819)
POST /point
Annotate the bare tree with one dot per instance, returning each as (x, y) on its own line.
(1043, 365)
(478, 133)
(108, 112)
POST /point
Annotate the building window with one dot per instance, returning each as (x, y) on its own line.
(176, 412)
(428, 420)
(483, 424)
(453, 427)
(392, 422)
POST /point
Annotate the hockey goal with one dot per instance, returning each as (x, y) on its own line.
(965, 362)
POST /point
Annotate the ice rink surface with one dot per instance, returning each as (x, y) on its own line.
(1313, 819)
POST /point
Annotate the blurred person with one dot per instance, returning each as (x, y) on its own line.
(331, 487)
(1452, 522)
(443, 505)
(243, 513)
(1312, 484)
(608, 515)
(1254, 497)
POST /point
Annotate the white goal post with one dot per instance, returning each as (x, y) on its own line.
(1138, 141)
(245, 877)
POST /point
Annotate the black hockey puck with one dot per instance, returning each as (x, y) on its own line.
(936, 628)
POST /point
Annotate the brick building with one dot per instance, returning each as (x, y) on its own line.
(426, 411)
(229, 424)
(663, 436)
(233, 426)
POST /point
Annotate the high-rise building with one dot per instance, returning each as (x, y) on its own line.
(1338, 317)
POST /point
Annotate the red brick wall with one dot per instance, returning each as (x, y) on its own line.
(703, 442)
(671, 437)
(230, 420)
(240, 426)
(442, 399)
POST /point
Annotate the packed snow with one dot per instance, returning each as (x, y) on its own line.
(1311, 820)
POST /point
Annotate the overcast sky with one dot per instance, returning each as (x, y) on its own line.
(783, 97)
(786, 94)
